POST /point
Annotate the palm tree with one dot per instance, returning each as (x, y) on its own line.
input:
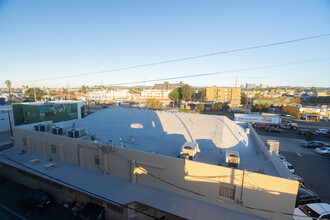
(8, 83)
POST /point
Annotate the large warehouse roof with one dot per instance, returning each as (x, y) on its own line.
(164, 133)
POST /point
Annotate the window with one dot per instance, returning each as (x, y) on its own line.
(227, 190)
(27, 113)
(96, 160)
(53, 149)
(24, 142)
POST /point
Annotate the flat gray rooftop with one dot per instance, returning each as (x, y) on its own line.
(111, 188)
(164, 133)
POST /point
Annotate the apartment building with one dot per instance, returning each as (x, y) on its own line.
(168, 86)
(231, 95)
(143, 164)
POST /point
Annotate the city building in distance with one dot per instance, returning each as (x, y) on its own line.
(231, 95)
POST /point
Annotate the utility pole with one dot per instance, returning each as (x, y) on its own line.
(68, 87)
(34, 89)
(11, 129)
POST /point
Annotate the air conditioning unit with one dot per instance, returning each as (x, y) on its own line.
(42, 127)
(60, 130)
(77, 132)
(50, 166)
(189, 150)
(34, 161)
(232, 158)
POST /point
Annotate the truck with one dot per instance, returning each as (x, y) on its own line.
(290, 125)
(259, 121)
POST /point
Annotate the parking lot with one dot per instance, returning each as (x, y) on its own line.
(10, 192)
(308, 164)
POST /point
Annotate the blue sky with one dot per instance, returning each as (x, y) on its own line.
(42, 39)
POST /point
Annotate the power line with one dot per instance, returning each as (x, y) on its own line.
(223, 72)
(182, 59)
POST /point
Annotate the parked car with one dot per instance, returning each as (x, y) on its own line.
(321, 131)
(306, 196)
(289, 166)
(36, 200)
(313, 144)
(323, 150)
(305, 131)
(299, 179)
(312, 211)
(274, 129)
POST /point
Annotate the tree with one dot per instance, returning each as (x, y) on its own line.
(201, 95)
(175, 95)
(296, 100)
(29, 94)
(187, 92)
(244, 100)
(154, 104)
(260, 108)
(8, 83)
(200, 107)
(83, 89)
(258, 95)
(220, 107)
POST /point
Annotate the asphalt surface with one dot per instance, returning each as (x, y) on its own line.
(293, 134)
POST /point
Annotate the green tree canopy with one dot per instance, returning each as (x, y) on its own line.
(8, 84)
(220, 107)
(201, 95)
(154, 104)
(175, 95)
(200, 107)
(83, 89)
(187, 92)
(29, 94)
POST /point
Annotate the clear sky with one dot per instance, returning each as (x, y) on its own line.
(42, 39)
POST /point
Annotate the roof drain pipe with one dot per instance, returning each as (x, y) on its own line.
(133, 174)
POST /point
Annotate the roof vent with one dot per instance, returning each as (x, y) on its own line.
(34, 161)
(189, 150)
(50, 166)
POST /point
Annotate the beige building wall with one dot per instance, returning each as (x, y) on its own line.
(224, 94)
(253, 190)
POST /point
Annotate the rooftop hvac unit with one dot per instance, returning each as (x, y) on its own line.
(34, 161)
(60, 130)
(50, 166)
(42, 127)
(232, 158)
(77, 132)
(274, 146)
(189, 150)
